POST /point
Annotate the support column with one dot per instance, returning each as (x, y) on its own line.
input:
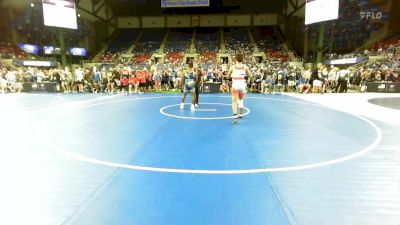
(62, 47)
(386, 25)
(332, 39)
(305, 51)
(320, 42)
(14, 36)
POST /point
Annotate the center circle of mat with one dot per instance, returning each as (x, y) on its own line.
(163, 111)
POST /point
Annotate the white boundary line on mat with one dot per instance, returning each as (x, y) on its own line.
(78, 157)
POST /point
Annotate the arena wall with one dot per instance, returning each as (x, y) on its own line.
(198, 21)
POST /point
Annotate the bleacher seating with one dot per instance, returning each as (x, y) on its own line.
(141, 57)
(175, 56)
(123, 41)
(267, 42)
(148, 44)
(29, 24)
(179, 40)
(178, 43)
(350, 29)
(150, 41)
(208, 43)
(237, 39)
(207, 40)
(9, 51)
(387, 43)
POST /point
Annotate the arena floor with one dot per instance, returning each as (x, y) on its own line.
(331, 159)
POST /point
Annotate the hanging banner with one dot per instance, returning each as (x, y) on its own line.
(34, 63)
(347, 61)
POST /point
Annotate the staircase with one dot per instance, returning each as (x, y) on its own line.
(290, 53)
(134, 44)
(222, 41)
(105, 46)
(192, 47)
(164, 42)
(250, 34)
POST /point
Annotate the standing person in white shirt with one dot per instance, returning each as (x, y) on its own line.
(39, 75)
(332, 78)
(13, 84)
(69, 80)
(79, 79)
(238, 72)
(342, 76)
(3, 80)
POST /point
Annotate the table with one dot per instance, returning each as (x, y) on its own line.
(39, 87)
(383, 87)
(209, 87)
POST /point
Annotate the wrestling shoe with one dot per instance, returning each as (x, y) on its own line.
(235, 119)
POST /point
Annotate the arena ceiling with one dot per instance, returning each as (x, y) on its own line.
(152, 7)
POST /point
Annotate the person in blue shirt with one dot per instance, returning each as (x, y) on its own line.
(97, 80)
(188, 79)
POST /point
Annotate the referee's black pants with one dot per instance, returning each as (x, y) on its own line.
(196, 90)
(341, 86)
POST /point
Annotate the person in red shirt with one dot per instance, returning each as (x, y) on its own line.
(124, 83)
(149, 80)
(141, 76)
(133, 82)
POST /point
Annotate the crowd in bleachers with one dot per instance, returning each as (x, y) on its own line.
(150, 41)
(140, 74)
(207, 40)
(178, 44)
(179, 41)
(123, 41)
(237, 39)
(350, 29)
(387, 44)
(388, 47)
(206, 43)
(9, 51)
(108, 57)
(267, 77)
(207, 46)
(28, 23)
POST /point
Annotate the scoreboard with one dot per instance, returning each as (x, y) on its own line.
(321, 10)
(60, 13)
(184, 3)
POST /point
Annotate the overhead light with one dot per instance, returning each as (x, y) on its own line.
(79, 15)
(32, 5)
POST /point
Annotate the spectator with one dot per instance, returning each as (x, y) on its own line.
(3, 81)
(133, 83)
(157, 79)
(78, 80)
(224, 88)
(342, 78)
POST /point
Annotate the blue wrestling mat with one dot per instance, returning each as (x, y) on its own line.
(140, 159)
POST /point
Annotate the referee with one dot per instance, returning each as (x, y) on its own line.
(198, 85)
